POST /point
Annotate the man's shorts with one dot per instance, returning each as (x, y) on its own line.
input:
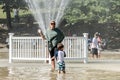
(52, 52)
(95, 51)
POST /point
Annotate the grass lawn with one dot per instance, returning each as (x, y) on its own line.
(2, 15)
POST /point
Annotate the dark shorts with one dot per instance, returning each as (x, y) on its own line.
(95, 51)
(52, 52)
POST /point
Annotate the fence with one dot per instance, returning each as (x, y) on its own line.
(34, 48)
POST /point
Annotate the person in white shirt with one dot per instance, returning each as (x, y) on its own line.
(59, 55)
(94, 46)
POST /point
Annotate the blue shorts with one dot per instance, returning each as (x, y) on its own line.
(61, 66)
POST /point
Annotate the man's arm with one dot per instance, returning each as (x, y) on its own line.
(41, 34)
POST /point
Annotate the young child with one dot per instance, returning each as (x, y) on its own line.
(60, 54)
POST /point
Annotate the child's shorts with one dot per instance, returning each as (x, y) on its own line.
(61, 66)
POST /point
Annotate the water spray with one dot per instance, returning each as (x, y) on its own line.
(46, 10)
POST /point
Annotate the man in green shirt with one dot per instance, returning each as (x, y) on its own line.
(53, 36)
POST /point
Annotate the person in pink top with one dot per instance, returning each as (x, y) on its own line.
(99, 45)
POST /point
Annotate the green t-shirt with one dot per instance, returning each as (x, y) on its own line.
(54, 36)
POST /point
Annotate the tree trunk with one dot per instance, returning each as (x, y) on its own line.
(8, 15)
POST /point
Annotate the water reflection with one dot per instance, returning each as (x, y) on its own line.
(53, 76)
(44, 73)
(57, 76)
(29, 73)
(61, 77)
(33, 73)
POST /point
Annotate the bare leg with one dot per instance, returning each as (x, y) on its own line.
(97, 56)
(59, 71)
(92, 56)
(63, 72)
(53, 64)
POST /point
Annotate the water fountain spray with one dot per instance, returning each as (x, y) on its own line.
(46, 10)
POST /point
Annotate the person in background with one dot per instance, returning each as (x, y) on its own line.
(94, 46)
(99, 39)
(16, 15)
(53, 36)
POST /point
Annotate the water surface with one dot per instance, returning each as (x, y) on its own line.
(44, 73)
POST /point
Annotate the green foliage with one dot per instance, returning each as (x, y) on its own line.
(14, 4)
(21, 13)
(100, 11)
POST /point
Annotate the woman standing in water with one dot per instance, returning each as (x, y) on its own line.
(54, 36)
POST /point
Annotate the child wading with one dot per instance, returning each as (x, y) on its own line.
(60, 54)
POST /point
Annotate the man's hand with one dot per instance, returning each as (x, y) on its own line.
(41, 33)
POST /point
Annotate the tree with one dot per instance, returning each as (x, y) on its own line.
(88, 11)
(94, 13)
(8, 15)
(8, 5)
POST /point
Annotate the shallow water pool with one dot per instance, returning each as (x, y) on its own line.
(44, 73)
